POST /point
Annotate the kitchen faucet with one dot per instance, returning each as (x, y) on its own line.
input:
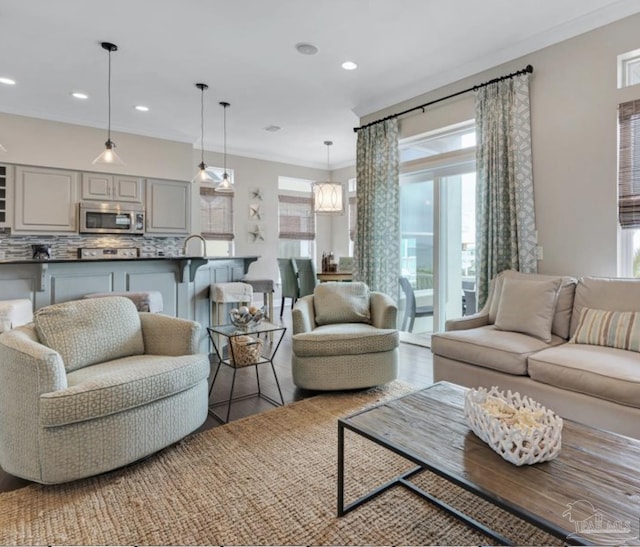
(197, 236)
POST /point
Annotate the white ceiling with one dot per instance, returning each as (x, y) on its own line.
(244, 50)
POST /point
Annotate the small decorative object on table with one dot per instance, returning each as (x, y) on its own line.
(246, 350)
(246, 317)
(521, 430)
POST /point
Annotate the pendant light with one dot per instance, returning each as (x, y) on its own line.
(202, 175)
(109, 155)
(226, 185)
(327, 195)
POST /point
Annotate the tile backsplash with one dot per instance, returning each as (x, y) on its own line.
(19, 247)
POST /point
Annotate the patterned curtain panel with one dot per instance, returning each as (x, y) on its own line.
(506, 221)
(377, 237)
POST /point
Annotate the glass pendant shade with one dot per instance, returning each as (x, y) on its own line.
(202, 176)
(328, 196)
(108, 155)
(226, 184)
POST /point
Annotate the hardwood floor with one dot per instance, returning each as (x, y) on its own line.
(416, 369)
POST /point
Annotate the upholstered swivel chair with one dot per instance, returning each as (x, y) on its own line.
(307, 279)
(92, 385)
(411, 311)
(344, 337)
(288, 281)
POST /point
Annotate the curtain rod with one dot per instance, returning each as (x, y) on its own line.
(525, 70)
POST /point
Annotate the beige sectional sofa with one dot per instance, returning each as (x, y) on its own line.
(553, 339)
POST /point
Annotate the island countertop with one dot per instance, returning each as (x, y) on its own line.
(121, 259)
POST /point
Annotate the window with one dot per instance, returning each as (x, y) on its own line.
(629, 68)
(297, 221)
(353, 219)
(629, 187)
(216, 216)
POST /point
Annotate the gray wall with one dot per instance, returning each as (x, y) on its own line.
(574, 100)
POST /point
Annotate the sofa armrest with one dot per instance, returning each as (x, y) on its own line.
(480, 319)
(303, 315)
(384, 311)
(166, 335)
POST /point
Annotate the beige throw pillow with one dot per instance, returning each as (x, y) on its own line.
(86, 332)
(528, 306)
(341, 303)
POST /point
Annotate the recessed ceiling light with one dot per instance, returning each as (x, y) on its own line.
(306, 49)
(79, 95)
(272, 128)
(142, 108)
(349, 65)
(7, 81)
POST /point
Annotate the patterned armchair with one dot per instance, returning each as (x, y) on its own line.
(92, 385)
(344, 337)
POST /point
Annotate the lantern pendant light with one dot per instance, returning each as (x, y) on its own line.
(109, 155)
(202, 175)
(328, 196)
(226, 186)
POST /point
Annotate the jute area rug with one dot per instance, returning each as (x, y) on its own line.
(269, 479)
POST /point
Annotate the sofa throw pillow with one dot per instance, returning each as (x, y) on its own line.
(341, 303)
(613, 329)
(528, 306)
(86, 332)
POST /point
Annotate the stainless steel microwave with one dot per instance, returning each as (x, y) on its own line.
(110, 218)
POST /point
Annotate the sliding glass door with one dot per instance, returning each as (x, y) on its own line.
(437, 224)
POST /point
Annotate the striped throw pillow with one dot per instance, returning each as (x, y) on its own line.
(614, 329)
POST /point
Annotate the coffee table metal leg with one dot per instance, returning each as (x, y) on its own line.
(233, 382)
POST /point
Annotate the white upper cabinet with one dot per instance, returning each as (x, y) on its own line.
(103, 187)
(46, 200)
(168, 206)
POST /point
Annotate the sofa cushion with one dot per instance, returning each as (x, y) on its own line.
(86, 332)
(490, 348)
(341, 303)
(344, 339)
(604, 293)
(564, 304)
(527, 306)
(614, 329)
(115, 386)
(607, 373)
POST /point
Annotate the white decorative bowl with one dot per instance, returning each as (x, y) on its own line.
(521, 430)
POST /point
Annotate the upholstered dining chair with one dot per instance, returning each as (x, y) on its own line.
(307, 279)
(411, 311)
(344, 337)
(288, 281)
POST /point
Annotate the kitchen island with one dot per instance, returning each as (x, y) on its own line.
(183, 281)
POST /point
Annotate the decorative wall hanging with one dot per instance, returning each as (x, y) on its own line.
(255, 211)
(256, 193)
(256, 233)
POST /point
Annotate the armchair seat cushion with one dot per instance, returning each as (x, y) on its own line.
(115, 386)
(344, 339)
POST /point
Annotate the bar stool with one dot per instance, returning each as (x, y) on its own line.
(14, 313)
(149, 301)
(267, 288)
(227, 293)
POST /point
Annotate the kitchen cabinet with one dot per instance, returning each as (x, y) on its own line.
(46, 200)
(5, 190)
(103, 187)
(168, 206)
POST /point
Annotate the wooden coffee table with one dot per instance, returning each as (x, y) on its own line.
(589, 494)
